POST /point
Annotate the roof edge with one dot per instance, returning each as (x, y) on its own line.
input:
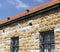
(31, 11)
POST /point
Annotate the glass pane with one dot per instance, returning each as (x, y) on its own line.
(52, 50)
(52, 46)
(16, 49)
(46, 46)
(52, 39)
(46, 38)
(45, 50)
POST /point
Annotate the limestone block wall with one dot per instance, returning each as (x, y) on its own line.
(29, 36)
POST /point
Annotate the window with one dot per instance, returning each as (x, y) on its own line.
(14, 44)
(47, 41)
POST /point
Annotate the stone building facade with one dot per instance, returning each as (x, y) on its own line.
(32, 31)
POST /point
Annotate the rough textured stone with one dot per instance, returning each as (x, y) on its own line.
(30, 40)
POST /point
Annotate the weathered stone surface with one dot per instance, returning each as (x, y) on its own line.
(29, 40)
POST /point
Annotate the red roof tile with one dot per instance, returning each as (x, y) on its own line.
(32, 11)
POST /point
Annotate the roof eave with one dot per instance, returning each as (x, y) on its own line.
(31, 11)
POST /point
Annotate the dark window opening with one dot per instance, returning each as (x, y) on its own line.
(47, 41)
(3, 30)
(14, 44)
(30, 24)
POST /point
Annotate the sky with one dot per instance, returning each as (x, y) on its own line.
(9, 8)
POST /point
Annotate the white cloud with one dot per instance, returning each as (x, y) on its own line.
(40, 0)
(11, 1)
(0, 5)
(18, 4)
(21, 4)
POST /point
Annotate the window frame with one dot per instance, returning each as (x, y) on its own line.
(50, 43)
(14, 45)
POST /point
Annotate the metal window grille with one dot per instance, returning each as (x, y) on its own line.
(14, 44)
(47, 42)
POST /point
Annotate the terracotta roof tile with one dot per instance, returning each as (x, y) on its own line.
(31, 11)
